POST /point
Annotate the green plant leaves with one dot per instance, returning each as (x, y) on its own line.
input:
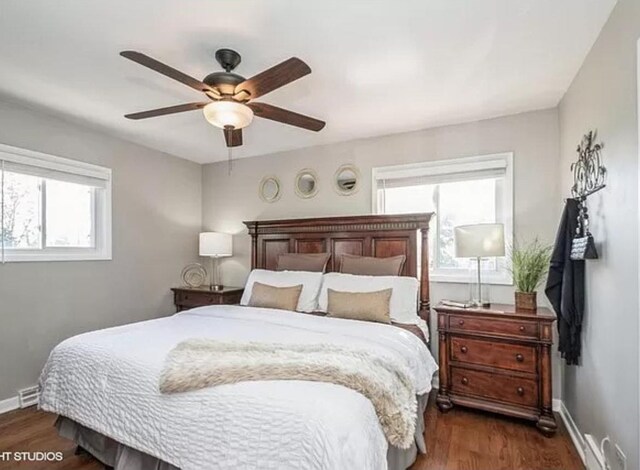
(529, 264)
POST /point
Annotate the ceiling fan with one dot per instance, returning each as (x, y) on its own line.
(231, 106)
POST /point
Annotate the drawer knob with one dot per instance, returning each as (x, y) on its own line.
(465, 381)
(520, 391)
(519, 357)
(186, 297)
(460, 322)
(521, 328)
(464, 349)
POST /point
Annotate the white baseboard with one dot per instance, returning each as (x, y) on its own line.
(9, 404)
(574, 432)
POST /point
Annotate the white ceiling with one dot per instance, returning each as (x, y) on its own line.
(379, 66)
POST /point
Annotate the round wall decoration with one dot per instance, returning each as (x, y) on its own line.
(194, 275)
(306, 183)
(346, 180)
(270, 189)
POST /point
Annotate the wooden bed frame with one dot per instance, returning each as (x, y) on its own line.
(380, 236)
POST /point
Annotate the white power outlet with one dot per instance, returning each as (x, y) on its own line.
(621, 459)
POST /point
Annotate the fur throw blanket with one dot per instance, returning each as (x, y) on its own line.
(384, 380)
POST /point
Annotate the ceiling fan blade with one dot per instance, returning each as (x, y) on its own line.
(162, 111)
(267, 111)
(170, 72)
(233, 137)
(275, 77)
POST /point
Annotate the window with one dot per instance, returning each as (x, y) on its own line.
(53, 209)
(461, 191)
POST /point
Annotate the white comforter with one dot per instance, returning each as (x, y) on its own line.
(107, 380)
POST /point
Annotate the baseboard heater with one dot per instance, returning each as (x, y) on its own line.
(29, 396)
(594, 460)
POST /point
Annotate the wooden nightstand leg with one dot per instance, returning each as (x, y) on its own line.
(442, 400)
(547, 422)
(547, 425)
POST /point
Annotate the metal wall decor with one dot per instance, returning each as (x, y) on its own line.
(588, 178)
(588, 171)
(194, 275)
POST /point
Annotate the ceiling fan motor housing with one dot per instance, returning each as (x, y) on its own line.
(225, 82)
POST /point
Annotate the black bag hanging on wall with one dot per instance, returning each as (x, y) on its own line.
(565, 285)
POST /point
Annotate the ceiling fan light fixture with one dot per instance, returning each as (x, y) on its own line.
(223, 114)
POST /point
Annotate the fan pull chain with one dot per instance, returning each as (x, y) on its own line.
(229, 138)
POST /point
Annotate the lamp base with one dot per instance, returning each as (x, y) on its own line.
(479, 291)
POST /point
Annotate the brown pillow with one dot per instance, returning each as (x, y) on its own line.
(370, 266)
(284, 298)
(367, 306)
(314, 262)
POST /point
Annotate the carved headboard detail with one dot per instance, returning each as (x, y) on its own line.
(365, 235)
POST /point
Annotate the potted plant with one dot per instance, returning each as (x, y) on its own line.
(529, 266)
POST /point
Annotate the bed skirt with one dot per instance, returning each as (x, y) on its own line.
(121, 457)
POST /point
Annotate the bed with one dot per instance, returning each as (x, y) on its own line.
(104, 384)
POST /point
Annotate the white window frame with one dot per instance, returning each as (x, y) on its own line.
(451, 167)
(102, 208)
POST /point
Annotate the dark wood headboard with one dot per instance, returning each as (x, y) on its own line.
(365, 235)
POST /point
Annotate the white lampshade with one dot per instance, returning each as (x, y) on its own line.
(215, 244)
(228, 113)
(480, 240)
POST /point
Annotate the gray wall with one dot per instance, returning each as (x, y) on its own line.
(602, 393)
(533, 137)
(156, 219)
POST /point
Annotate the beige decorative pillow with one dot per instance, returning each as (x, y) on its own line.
(367, 306)
(266, 296)
(371, 266)
(313, 262)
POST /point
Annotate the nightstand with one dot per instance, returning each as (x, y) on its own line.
(497, 359)
(189, 297)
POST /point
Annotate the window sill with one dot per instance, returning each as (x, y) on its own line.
(47, 257)
(466, 279)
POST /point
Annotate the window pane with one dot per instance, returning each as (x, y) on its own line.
(462, 203)
(69, 214)
(21, 225)
(409, 200)
(455, 203)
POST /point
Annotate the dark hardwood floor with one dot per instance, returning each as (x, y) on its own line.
(459, 440)
(465, 439)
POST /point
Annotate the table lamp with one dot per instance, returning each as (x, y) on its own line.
(215, 245)
(479, 241)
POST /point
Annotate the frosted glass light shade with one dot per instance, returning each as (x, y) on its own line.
(228, 113)
(215, 244)
(480, 240)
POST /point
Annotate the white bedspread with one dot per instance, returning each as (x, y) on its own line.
(108, 380)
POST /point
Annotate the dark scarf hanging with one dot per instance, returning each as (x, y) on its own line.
(565, 286)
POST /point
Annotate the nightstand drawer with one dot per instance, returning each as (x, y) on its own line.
(196, 299)
(514, 328)
(186, 298)
(495, 386)
(491, 353)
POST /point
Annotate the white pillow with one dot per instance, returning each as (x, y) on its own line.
(404, 298)
(311, 283)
